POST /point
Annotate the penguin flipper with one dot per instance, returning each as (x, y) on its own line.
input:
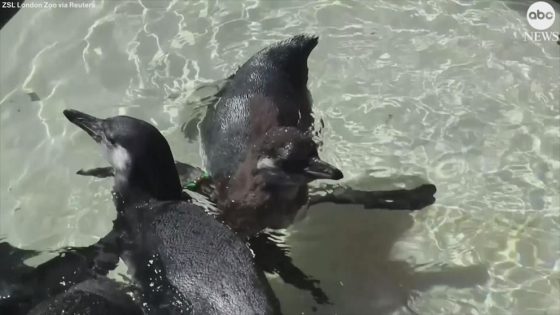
(192, 178)
(187, 172)
(99, 172)
(400, 199)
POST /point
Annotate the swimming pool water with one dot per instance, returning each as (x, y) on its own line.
(447, 92)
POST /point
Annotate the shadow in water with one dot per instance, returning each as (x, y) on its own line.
(22, 286)
(348, 249)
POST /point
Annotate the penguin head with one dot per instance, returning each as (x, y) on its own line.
(288, 153)
(138, 152)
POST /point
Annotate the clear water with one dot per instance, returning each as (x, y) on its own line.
(442, 91)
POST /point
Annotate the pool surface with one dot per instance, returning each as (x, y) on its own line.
(446, 92)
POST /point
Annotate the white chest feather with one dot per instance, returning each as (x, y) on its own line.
(117, 156)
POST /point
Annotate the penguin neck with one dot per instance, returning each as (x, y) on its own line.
(249, 202)
(242, 198)
(140, 184)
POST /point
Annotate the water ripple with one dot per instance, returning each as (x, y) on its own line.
(444, 91)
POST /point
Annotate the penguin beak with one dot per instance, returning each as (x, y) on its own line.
(92, 125)
(319, 169)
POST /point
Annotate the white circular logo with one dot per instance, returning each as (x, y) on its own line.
(541, 15)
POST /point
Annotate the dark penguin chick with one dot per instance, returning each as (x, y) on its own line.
(271, 184)
(184, 260)
(262, 123)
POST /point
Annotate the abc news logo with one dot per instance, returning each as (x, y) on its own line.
(541, 16)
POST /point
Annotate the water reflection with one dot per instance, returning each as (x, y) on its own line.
(349, 250)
